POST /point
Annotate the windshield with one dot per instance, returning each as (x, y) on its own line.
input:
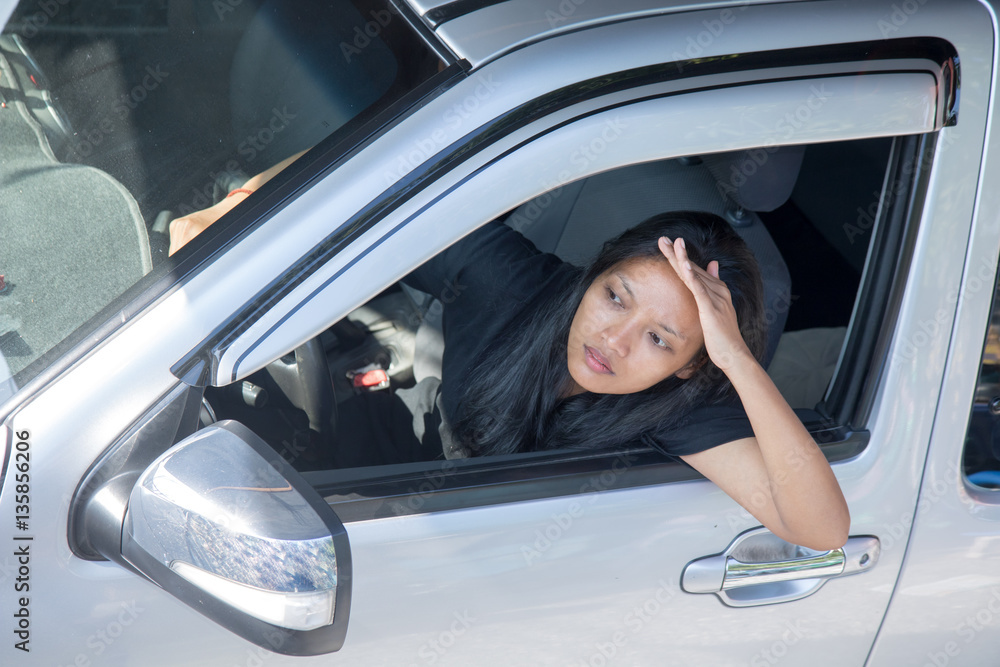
(118, 117)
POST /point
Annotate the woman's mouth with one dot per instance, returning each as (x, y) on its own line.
(597, 361)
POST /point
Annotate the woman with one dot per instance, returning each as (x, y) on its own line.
(659, 341)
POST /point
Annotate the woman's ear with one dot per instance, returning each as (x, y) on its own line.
(692, 367)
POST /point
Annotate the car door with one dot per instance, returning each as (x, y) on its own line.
(485, 562)
(950, 552)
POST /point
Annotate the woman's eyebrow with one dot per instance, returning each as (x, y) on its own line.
(663, 326)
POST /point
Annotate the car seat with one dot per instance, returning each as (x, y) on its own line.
(72, 238)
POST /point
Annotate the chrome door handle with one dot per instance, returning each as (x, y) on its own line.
(760, 568)
(738, 573)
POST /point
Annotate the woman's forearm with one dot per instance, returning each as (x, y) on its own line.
(185, 228)
(263, 177)
(801, 484)
(779, 475)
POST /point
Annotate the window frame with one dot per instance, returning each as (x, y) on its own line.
(368, 493)
(360, 494)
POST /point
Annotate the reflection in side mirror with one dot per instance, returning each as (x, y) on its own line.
(221, 514)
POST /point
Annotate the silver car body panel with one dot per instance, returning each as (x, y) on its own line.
(441, 588)
(946, 606)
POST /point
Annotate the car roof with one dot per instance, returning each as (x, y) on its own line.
(481, 30)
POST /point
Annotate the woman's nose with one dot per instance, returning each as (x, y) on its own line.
(617, 337)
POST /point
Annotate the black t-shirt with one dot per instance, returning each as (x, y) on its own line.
(486, 280)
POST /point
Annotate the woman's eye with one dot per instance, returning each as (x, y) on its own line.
(657, 340)
(614, 297)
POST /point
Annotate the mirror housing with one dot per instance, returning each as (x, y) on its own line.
(227, 526)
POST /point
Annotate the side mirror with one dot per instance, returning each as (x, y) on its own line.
(227, 526)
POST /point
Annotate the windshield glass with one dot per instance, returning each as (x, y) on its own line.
(118, 117)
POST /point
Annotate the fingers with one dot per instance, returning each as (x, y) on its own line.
(705, 285)
(177, 237)
(714, 300)
(181, 231)
(676, 252)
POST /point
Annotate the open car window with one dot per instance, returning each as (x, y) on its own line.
(119, 117)
(818, 217)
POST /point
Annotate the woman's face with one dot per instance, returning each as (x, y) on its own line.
(636, 325)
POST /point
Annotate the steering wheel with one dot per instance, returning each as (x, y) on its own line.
(306, 381)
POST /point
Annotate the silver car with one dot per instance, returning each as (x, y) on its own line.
(176, 490)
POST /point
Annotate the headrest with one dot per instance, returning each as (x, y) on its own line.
(758, 179)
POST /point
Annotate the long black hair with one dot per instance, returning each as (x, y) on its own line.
(513, 399)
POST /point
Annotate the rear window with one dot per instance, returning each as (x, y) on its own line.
(117, 117)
